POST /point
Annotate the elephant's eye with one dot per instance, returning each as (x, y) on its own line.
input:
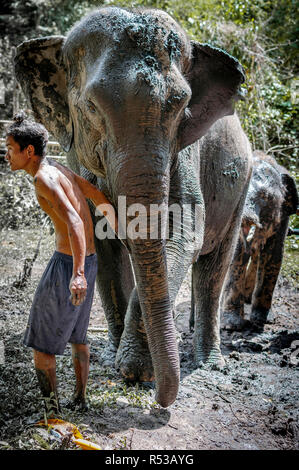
(91, 107)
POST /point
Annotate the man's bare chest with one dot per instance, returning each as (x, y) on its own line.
(49, 209)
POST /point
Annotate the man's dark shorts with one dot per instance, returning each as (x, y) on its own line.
(54, 320)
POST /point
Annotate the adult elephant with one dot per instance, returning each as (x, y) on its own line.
(272, 197)
(128, 95)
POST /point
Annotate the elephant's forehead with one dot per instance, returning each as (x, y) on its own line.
(146, 30)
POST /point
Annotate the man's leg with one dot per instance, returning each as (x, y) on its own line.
(80, 354)
(45, 367)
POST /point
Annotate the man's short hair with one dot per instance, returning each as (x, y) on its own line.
(27, 132)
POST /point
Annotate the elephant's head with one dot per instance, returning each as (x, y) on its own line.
(127, 91)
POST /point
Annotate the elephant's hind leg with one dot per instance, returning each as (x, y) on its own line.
(209, 274)
(207, 284)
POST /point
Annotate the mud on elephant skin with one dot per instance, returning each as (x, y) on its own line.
(128, 96)
(272, 197)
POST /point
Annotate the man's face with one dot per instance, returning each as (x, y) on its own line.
(16, 157)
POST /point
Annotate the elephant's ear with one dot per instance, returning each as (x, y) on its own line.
(291, 200)
(41, 72)
(215, 78)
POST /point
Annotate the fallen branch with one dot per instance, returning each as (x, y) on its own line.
(97, 330)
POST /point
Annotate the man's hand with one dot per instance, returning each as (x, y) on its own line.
(78, 288)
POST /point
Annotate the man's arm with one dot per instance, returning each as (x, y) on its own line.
(58, 200)
(99, 199)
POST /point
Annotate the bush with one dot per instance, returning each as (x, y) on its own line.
(18, 205)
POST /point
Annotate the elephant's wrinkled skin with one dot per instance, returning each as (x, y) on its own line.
(272, 197)
(128, 95)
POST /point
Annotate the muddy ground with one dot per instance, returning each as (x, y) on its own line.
(251, 404)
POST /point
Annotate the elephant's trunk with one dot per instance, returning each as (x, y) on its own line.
(148, 184)
(150, 268)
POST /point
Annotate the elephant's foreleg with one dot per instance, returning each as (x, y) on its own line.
(133, 356)
(232, 316)
(115, 282)
(269, 264)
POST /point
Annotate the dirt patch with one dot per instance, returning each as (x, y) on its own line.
(250, 404)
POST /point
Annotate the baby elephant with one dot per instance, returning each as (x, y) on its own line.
(272, 197)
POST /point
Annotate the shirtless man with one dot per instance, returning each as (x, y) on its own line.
(56, 317)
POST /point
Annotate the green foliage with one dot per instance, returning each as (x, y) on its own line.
(18, 205)
(60, 15)
(6, 74)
